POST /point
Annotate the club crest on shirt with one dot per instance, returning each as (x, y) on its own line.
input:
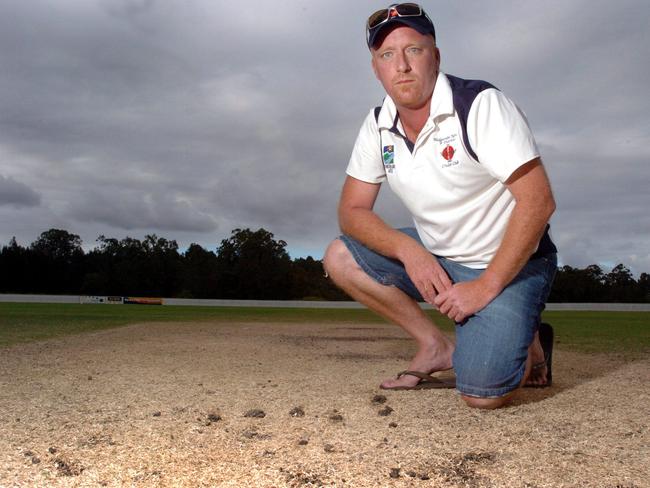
(388, 157)
(447, 150)
(448, 153)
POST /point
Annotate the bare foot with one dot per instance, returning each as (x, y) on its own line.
(537, 376)
(429, 359)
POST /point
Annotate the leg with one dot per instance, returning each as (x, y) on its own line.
(496, 347)
(434, 348)
(492, 403)
(534, 375)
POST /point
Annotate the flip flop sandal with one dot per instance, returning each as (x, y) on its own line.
(426, 382)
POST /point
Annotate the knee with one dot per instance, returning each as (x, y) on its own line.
(337, 259)
(487, 403)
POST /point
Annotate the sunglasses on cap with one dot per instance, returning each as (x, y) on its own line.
(395, 11)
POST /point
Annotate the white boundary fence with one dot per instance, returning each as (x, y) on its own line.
(605, 307)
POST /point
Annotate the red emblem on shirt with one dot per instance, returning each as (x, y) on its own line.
(448, 153)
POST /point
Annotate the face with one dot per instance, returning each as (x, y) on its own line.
(407, 63)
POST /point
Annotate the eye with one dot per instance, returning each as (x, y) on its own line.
(386, 55)
(415, 50)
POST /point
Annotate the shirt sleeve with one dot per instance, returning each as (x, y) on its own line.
(499, 134)
(366, 162)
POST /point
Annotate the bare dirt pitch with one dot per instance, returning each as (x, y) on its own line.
(297, 405)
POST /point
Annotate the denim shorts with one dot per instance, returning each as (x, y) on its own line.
(492, 345)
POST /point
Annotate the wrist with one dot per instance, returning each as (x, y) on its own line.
(407, 248)
(492, 283)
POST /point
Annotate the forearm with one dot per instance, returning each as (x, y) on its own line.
(421, 266)
(534, 205)
(523, 233)
(369, 228)
(358, 220)
(524, 230)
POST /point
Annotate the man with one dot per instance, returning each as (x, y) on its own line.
(480, 251)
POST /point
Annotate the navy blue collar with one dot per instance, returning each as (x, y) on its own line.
(395, 130)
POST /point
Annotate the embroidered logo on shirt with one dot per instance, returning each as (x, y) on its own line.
(447, 150)
(389, 158)
(448, 153)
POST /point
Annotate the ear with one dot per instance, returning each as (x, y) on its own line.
(373, 64)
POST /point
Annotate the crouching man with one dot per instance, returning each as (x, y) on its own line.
(462, 158)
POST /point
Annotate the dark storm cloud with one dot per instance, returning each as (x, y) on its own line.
(190, 119)
(137, 210)
(16, 194)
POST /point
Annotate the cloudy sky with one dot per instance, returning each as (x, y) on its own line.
(191, 118)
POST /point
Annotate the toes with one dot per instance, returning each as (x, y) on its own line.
(388, 383)
(392, 383)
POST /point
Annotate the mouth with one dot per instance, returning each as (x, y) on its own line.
(404, 82)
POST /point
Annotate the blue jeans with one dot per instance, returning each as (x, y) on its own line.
(492, 345)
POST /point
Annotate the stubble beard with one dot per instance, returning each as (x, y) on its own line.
(409, 95)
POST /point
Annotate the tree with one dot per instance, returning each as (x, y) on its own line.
(58, 244)
(162, 265)
(644, 287)
(200, 272)
(253, 265)
(578, 285)
(14, 265)
(309, 281)
(151, 267)
(113, 267)
(621, 286)
(57, 262)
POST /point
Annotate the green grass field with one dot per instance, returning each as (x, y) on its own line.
(626, 333)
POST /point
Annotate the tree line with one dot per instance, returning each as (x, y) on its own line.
(247, 265)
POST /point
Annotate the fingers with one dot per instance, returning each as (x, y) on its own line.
(435, 283)
(455, 315)
(428, 276)
(441, 302)
(432, 287)
(428, 292)
(458, 317)
(446, 305)
(441, 281)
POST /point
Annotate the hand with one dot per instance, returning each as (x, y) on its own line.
(426, 273)
(464, 299)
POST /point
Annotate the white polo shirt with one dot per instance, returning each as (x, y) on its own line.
(460, 207)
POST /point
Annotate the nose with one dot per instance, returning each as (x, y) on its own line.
(403, 65)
